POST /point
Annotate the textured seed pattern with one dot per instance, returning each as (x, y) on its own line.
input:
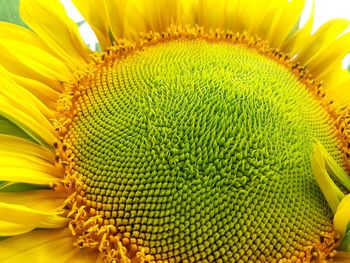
(200, 152)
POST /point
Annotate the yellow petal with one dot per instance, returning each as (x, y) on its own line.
(335, 77)
(336, 83)
(13, 144)
(324, 36)
(135, 8)
(40, 246)
(186, 12)
(46, 200)
(87, 256)
(16, 66)
(26, 175)
(23, 161)
(246, 15)
(27, 38)
(115, 12)
(24, 109)
(14, 63)
(329, 189)
(283, 18)
(25, 121)
(212, 14)
(44, 16)
(44, 93)
(15, 94)
(271, 12)
(15, 32)
(127, 19)
(330, 57)
(12, 229)
(340, 93)
(342, 216)
(295, 42)
(20, 160)
(37, 59)
(96, 16)
(23, 215)
(160, 14)
(121, 18)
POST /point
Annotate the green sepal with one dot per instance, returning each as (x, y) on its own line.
(19, 187)
(9, 128)
(9, 12)
(345, 243)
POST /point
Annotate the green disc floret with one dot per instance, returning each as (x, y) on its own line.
(201, 151)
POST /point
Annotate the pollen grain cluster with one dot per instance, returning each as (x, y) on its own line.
(199, 151)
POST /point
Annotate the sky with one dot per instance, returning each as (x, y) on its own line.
(329, 9)
(324, 11)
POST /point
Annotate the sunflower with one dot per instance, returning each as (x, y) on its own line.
(203, 131)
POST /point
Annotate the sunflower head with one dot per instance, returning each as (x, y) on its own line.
(202, 132)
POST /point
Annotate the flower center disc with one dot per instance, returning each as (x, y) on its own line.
(198, 151)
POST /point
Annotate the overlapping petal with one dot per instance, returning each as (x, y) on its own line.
(65, 40)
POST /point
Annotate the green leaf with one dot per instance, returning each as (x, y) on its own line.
(9, 12)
